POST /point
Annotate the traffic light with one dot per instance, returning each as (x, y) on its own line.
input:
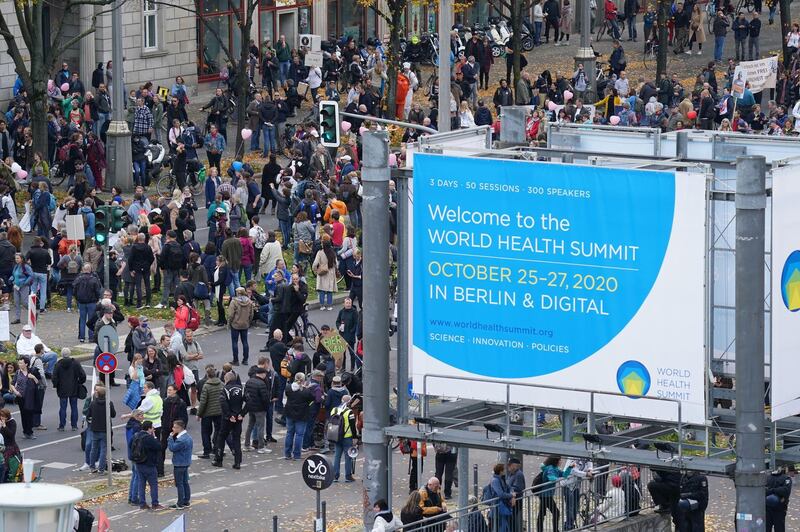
(329, 123)
(101, 219)
(117, 219)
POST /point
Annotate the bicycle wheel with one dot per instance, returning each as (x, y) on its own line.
(58, 174)
(311, 334)
(600, 32)
(165, 185)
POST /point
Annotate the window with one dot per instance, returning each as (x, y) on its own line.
(150, 23)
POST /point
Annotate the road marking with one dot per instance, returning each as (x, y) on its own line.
(269, 477)
(68, 438)
(263, 461)
(115, 517)
(220, 488)
(210, 471)
(244, 483)
(59, 465)
(291, 473)
(200, 494)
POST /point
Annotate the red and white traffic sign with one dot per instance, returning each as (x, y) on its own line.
(106, 363)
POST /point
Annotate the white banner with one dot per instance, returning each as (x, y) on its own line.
(761, 74)
(567, 276)
(785, 292)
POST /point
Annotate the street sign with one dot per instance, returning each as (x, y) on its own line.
(317, 472)
(106, 363)
(108, 338)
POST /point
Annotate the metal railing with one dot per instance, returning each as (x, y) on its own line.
(570, 503)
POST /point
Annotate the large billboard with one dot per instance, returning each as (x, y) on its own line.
(785, 292)
(561, 275)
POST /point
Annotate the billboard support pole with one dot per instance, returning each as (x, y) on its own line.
(567, 429)
(404, 245)
(375, 178)
(443, 68)
(750, 236)
(463, 481)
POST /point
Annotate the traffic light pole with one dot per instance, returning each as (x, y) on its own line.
(105, 267)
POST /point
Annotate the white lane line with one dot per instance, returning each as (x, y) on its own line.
(220, 488)
(269, 477)
(244, 483)
(211, 471)
(200, 493)
(291, 473)
(115, 517)
(59, 465)
(68, 438)
(263, 461)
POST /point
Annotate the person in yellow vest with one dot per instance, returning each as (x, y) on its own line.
(343, 419)
(153, 407)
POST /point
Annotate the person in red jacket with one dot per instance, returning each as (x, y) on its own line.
(181, 315)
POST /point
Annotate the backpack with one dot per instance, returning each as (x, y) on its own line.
(200, 291)
(405, 446)
(487, 493)
(52, 204)
(194, 319)
(85, 520)
(138, 453)
(334, 428)
(63, 152)
(72, 266)
(285, 369)
(538, 482)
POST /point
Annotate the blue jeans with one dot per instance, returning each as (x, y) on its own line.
(248, 272)
(62, 411)
(133, 488)
(235, 335)
(295, 432)
(719, 46)
(339, 448)
(286, 231)
(39, 287)
(89, 175)
(631, 21)
(88, 447)
(103, 118)
(614, 29)
(86, 310)
(148, 475)
(325, 298)
(308, 437)
(169, 282)
(537, 33)
(284, 71)
(234, 284)
(255, 137)
(182, 483)
(69, 296)
(98, 450)
(49, 360)
(270, 139)
(572, 499)
(281, 384)
(139, 169)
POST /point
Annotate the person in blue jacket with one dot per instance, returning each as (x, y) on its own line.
(180, 443)
(502, 510)
(551, 473)
(133, 426)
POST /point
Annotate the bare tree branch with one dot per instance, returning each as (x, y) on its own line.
(24, 26)
(206, 24)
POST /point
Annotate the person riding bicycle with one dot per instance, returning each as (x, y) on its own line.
(611, 17)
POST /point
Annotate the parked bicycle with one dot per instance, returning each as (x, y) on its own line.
(305, 329)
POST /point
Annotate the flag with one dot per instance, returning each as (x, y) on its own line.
(178, 525)
(103, 524)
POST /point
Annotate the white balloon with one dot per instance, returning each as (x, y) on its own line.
(15, 167)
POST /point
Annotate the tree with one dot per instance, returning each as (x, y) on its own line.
(515, 8)
(45, 52)
(393, 15)
(238, 59)
(662, 16)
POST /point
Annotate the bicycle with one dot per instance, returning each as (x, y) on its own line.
(430, 83)
(608, 29)
(166, 184)
(650, 56)
(587, 507)
(305, 329)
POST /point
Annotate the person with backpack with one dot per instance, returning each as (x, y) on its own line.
(298, 401)
(504, 499)
(97, 413)
(68, 380)
(171, 262)
(145, 453)
(340, 431)
(234, 408)
(181, 314)
(546, 481)
(197, 277)
(132, 428)
(88, 290)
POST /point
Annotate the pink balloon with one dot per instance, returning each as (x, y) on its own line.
(64, 87)
(247, 133)
(363, 130)
(614, 120)
(22, 174)
(568, 96)
(392, 159)
(552, 106)
(346, 126)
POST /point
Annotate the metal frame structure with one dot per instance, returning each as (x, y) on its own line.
(467, 423)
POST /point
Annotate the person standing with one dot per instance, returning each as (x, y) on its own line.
(283, 52)
(240, 314)
(720, 29)
(356, 283)
(139, 262)
(344, 441)
(741, 30)
(40, 261)
(180, 444)
(26, 381)
(97, 410)
(258, 396)
(446, 458)
(692, 505)
(209, 410)
(753, 48)
(215, 146)
(150, 452)
(174, 409)
(153, 406)
(295, 413)
(171, 261)
(347, 323)
(88, 290)
(253, 122)
(515, 479)
(22, 279)
(779, 488)
(324, 267)
(68, 378)
(132, 428)
(631, 9)
(234, 409)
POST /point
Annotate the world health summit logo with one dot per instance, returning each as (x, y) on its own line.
(633, 378)
(790, 282)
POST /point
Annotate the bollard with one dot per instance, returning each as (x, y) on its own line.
(475, 480)
(274, 523)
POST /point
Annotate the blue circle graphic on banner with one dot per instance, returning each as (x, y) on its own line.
(522, 269)
(790, 282)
